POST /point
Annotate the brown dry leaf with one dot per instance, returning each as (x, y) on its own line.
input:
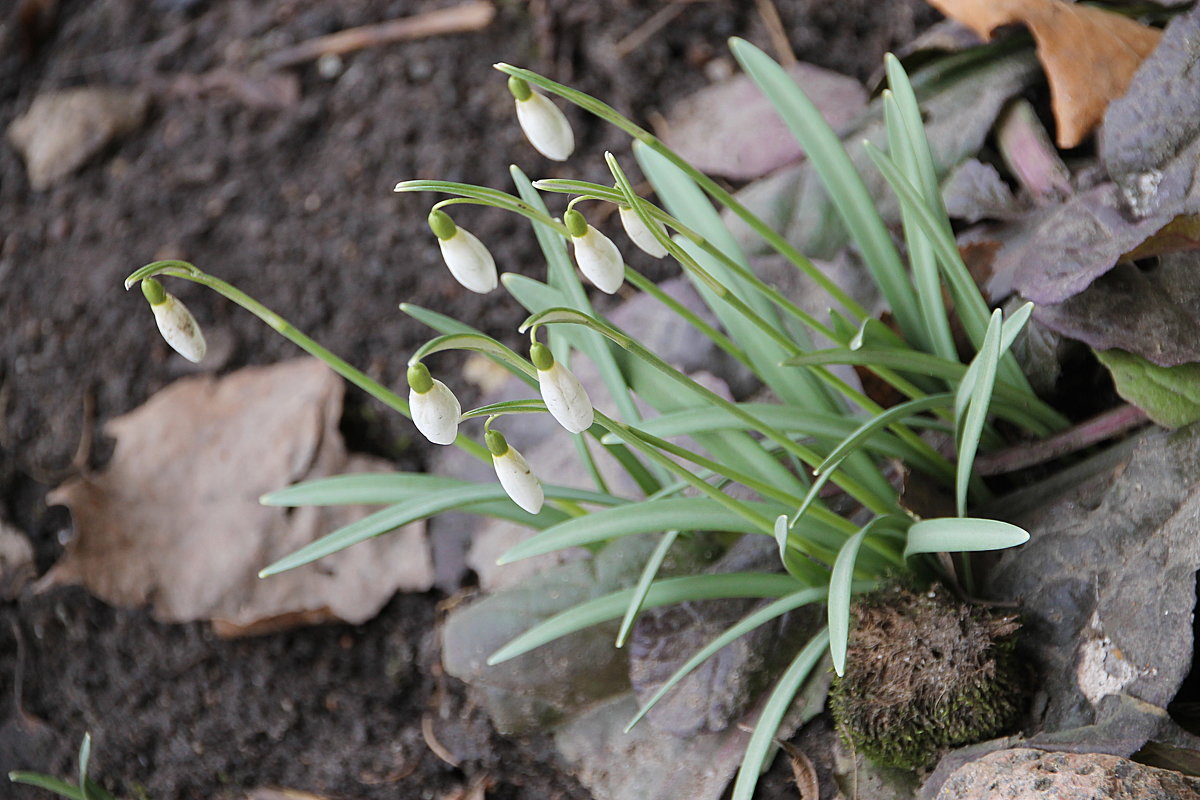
(1089, 55)
(174, 520)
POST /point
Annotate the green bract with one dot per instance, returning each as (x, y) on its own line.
(822, 435)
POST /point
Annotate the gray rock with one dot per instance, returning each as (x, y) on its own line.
(540, 688)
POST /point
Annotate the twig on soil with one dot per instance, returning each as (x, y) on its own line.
(470, 16)
(432, 742)
(777, 33)
(1105, 426)
(642, 33)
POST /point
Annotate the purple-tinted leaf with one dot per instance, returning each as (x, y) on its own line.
(1154, 313)
(1071, 245)
(975, 191)
(1151, 142)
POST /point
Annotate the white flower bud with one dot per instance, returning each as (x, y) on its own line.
(545, 126)
(515, 474)
(176, 324)
(468, 259)
(434, 408)
(640, 235)
(565, 398)
(598, 258)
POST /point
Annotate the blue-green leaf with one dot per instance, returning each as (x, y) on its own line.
(962, 535)
(662, 592)
(647, 516)
(776, 706)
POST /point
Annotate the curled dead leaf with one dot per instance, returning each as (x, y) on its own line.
(1089, 55)
(174, 521)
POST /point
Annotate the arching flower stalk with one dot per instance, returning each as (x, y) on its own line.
(469, 261)
(434, 408)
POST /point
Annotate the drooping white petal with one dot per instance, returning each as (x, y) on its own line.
(435, 413)
(546, 127)
(640, 235)
(518, 480)
(469, 261)
(599, 260)
(179, 328)
(565, 398)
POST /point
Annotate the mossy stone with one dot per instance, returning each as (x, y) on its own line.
(925, 673)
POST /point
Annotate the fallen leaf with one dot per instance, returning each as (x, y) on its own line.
(1169, 395)
(1177, 236)
(1056, 253)
(731, 129)
(174, 520)
(1089, 55)
(804, 773)
(1152, 313)
(1151, 141)
(61, 131)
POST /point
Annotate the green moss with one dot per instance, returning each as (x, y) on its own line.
(925, 673)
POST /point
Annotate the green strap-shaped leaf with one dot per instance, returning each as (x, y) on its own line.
(684, 200)
(971, 428)
(462, 498)
(843, 183)
(841, 586)
(649, 573)
(49, 783)
(748, 623)
(648, 516)
(858, 439)
(395, 487)
(762, 740)
(962, 535)
(662, 592)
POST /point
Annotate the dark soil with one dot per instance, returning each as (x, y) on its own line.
(295, 206)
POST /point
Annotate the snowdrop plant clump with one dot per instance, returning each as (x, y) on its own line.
(822, 437)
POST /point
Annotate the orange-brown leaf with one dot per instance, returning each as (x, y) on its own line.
(1089, 55)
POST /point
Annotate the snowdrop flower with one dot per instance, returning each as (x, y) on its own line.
(514, 473)
(565, 397)
(434, 408)
(469, 261)
(641, 235)
(598, 258)
(545, 126)
(175, 322)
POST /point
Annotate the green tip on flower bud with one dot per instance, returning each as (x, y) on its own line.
(154, 291)
(419, 379)
(496, 443)
(442, 226)
(576, 224)
(541, 356)
(519, 88)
